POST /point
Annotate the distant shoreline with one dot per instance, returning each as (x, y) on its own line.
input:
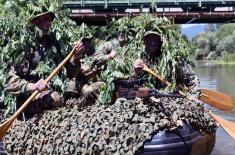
(217, 62)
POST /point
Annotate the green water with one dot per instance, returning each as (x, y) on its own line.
(219, 77)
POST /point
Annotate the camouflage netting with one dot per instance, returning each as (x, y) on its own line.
(120, 128)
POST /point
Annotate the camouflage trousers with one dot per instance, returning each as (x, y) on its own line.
(87, 93)
(46, 100)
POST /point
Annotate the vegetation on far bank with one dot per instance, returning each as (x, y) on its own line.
(222, 62)
(216, 43)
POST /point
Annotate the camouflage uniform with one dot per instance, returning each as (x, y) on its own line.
(83, 87)
(80, 85)
(90, 91)
(114, 44)
(22, 76)
(185, 76)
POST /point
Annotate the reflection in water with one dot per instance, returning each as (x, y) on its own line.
(221, 78)
(217, 77)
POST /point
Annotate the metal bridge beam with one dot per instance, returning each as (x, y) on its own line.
(99, 12)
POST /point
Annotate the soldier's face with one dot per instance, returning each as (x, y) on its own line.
(45, 24)
(88, 46)
(152, 43)
(87, 43)
(121, 37)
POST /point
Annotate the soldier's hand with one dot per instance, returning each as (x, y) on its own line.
(79, 49)
(112, 54)
(138, 67)
(138, 64)
(40, 85)
(85, 69)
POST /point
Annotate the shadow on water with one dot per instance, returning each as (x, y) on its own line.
(219, 77)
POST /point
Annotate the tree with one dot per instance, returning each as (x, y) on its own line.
(210, 28)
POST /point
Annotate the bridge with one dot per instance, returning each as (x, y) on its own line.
(99, 12)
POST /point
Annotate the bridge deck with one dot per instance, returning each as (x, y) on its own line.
(144, 3)
(181, 11)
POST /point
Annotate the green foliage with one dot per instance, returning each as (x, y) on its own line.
(229, 58)
(121, 67)
(225, 30)
(227, 45)
(18, 36)
(215, 43)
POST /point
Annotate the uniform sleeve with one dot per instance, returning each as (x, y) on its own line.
(73, 68)
(107, 47)
(100, 58)
(16, 85)
(187, 77)
(101, 55)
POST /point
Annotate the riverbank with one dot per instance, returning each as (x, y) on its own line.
(217, 62)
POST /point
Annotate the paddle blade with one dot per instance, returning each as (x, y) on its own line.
(4, 127)
(228, 126)
(217, 99)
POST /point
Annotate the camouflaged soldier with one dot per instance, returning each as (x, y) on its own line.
(113, 45)
(22, 80)
(82, 83)
(185, 76)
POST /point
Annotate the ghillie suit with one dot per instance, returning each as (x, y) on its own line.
(172, 52)
(120, 128)
(19, 37)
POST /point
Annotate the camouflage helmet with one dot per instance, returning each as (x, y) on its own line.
(151, 32)
(154, 33)
(85, 32)
(159, 40)
(41, 16)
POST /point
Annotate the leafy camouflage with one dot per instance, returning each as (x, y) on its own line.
(172, 51)
(18, 36)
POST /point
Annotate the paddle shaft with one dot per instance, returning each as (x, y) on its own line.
(211, 97)
(6, 125)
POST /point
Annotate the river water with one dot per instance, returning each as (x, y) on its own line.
(220, 77)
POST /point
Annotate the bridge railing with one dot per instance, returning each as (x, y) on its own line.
(182, 11)
(107, 3)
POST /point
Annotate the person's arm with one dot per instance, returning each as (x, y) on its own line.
(73, 67)
(17, 86)
(186, 76)
(104, 53)
(100, 59)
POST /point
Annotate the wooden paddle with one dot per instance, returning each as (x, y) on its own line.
(228, 126)
(7, 124)
(213, 98)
